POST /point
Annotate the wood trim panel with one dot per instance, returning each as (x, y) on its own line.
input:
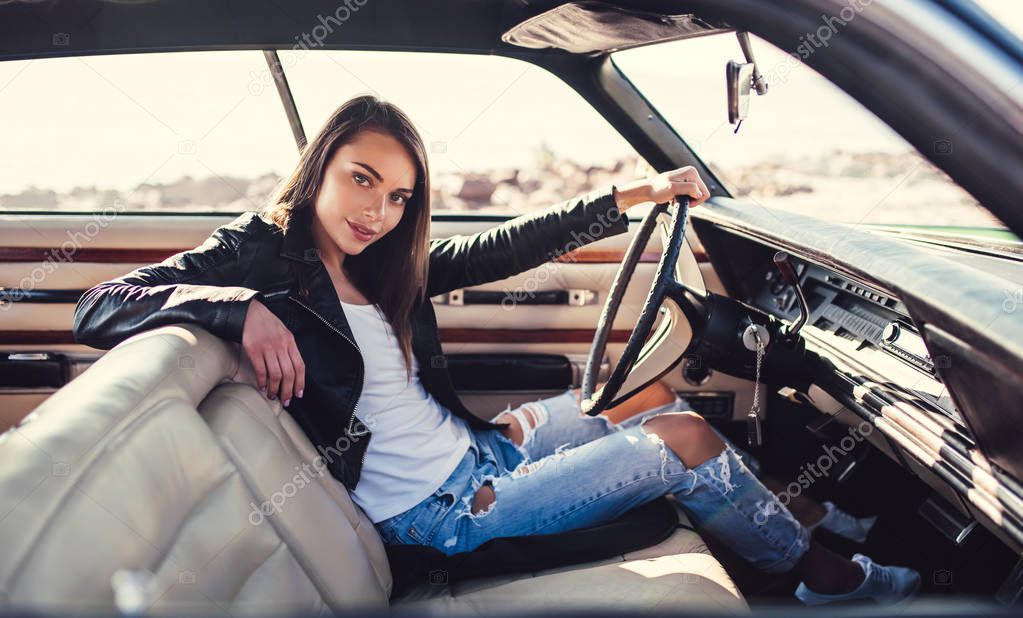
(614, 256)
(604, 256)
(83, 254)
(36, 337)
(447, 335)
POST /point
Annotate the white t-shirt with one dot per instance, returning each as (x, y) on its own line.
(416, 441)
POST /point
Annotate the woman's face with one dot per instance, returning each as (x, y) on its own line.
(365, 188)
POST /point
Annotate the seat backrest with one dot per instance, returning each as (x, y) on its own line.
(163, 464)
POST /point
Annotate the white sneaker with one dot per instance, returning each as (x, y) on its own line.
(884, 584)
(843, 524)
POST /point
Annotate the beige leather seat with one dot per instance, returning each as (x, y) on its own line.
(163, 465)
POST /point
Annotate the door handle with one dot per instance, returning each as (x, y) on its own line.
(33, 370)
(571, 297)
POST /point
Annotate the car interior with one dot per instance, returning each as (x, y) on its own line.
(880, 369)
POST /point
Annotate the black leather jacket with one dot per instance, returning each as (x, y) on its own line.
(251, 258)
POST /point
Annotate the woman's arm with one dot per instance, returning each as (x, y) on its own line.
(524, 242)
(530, 240)
(199, 285)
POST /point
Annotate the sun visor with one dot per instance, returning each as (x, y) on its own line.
(593, 26)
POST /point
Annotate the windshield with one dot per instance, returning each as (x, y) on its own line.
(806, 146)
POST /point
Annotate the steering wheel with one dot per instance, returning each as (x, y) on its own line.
(660, 353)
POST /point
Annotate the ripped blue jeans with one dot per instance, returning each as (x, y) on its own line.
(574, 470)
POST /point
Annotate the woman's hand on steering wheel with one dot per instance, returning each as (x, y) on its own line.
(663, 188)
(680, 186)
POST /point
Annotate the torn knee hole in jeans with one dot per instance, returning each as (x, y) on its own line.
(659, 441)
(484, 499)
(718, 470)
(530, 416)
(528, 467)
(474, 509)
(725, 472)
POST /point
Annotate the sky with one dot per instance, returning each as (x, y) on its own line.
(118, 121)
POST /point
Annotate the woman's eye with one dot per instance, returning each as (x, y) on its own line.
(399, 198)
(359, 178)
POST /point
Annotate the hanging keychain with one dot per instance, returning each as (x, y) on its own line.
(755, 338)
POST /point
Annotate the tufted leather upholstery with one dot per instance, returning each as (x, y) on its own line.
(161, 458)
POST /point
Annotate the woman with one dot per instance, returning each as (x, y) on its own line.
(432, 474)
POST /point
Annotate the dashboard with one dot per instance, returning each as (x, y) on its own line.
(947, 411)
(868, 326)
(837, 304)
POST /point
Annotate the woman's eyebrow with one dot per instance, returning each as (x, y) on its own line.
(377, 175)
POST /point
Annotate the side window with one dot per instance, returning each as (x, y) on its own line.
(503, 136)
(169, 132)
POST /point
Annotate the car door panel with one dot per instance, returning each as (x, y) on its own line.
(568, 329)
(69, 253)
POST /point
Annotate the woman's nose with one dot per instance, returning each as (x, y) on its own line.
(376, 209)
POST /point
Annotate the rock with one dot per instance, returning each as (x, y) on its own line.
(477, 189)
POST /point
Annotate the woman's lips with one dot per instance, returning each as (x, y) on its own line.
(359, 233)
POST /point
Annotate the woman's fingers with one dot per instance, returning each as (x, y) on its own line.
(287, 375)
(683, 181)
(258, 367)
(299, 364)
(280, 371)
(703, 188)
(273, 370)
(688, 188)
(687, 181)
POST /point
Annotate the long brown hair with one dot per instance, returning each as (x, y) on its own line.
(391, 272)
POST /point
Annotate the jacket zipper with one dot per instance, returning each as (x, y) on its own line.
(362, 371)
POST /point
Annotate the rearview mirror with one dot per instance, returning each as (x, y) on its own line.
(739, 80)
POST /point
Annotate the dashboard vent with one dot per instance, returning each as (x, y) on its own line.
(867, 293)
